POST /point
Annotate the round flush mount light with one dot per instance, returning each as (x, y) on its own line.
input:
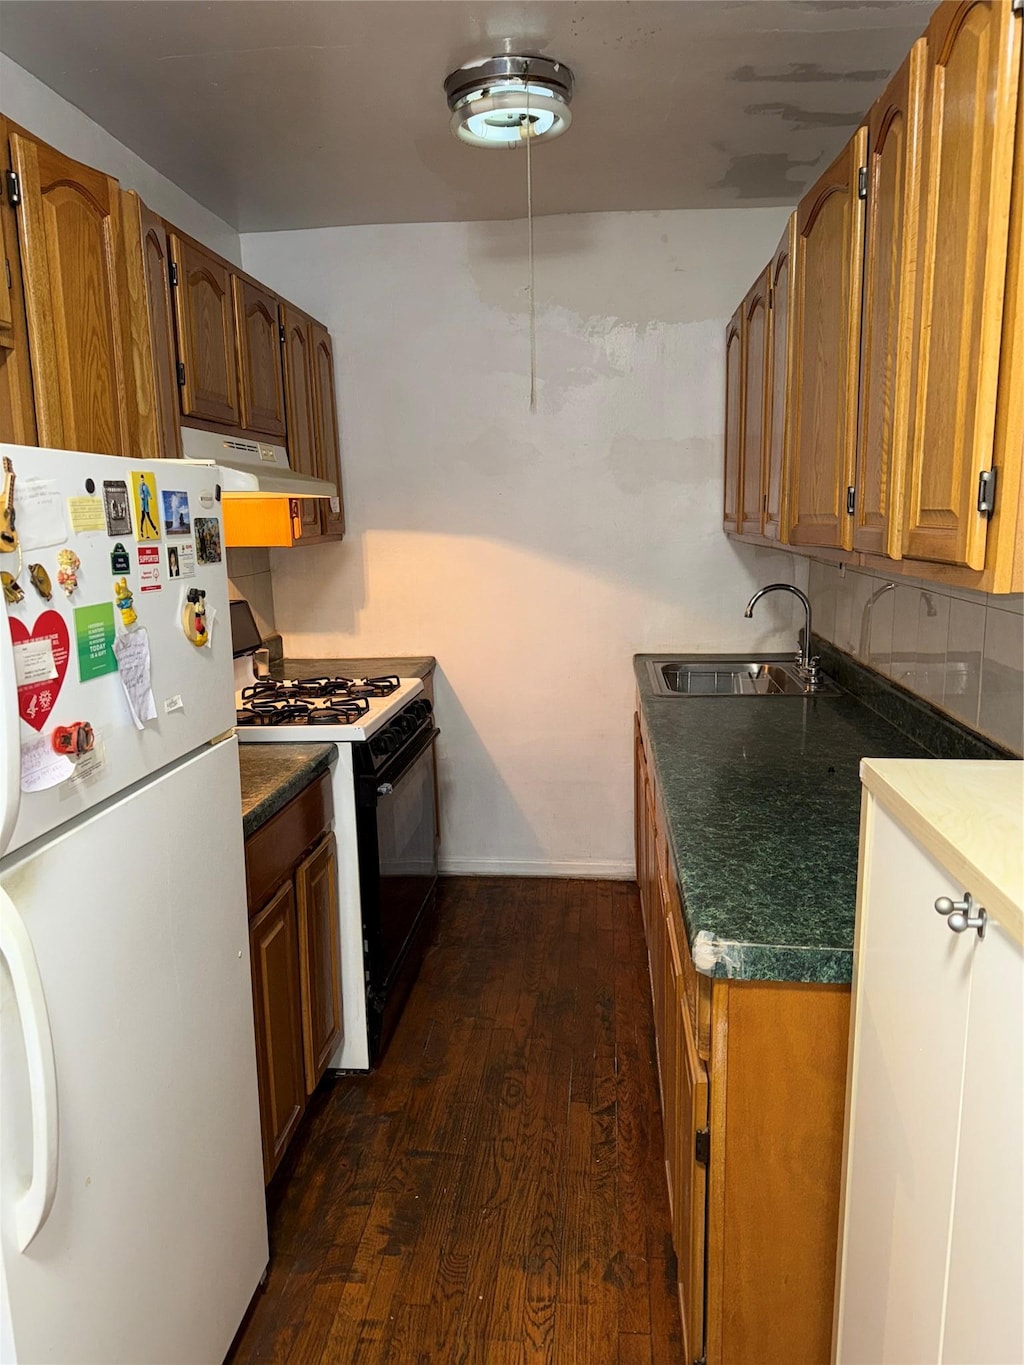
(508, 101)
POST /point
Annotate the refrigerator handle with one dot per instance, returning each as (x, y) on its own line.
(10, 735)
(32, 1207)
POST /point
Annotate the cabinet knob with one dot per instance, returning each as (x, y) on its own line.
(961, 915)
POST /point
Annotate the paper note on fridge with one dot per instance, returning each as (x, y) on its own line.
(34, 662)
(132, 652)
(41, 767)
(39, 513)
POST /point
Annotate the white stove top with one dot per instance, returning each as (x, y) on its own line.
(381, 709)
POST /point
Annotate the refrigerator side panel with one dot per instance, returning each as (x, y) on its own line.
(91, 638)
(157, 1237)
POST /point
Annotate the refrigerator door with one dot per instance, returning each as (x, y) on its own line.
(74, 653)
(157, 1236)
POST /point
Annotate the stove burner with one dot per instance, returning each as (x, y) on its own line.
(279, 706)
(319, 689)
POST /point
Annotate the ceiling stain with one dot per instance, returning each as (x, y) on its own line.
(806, 118)
(798, 73)
(765, 175)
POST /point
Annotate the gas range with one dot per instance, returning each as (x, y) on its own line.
(338, 710)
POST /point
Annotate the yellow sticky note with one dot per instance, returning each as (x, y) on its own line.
(86, 514)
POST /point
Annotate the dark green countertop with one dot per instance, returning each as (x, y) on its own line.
(405, 666)
(762, 802)
(273, 773)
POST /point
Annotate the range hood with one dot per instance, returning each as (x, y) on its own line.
(252, 468)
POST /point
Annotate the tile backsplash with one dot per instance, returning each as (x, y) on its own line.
(249, 577)
(962, 651)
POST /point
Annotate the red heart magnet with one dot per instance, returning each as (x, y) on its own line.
(37, 699)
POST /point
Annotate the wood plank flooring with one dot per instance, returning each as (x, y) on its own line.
(495, 1193)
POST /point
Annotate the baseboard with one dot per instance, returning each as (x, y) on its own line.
(608, 869)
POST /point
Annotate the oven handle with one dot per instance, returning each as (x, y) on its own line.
(368, 787)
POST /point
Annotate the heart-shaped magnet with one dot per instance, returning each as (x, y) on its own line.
(36, 700)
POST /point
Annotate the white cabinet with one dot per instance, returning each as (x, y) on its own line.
(931, 1256)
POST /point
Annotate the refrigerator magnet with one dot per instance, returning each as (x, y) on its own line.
(149, 568)
(144, 496)
(119, 561)
(177, 519)
(68, 565)
(86, 514)
(40, 664)
(115, 503)
(208, 540)
(193, 617)
(40, 580)
(124, 598)
(94, 639)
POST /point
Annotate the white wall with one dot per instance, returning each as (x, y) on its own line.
(533, 554)
(41, 111)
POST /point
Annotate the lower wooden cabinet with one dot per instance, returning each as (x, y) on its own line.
(291, 868)
(274, 953)
(752, 1077)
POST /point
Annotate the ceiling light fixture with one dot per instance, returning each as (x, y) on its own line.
(509, 101)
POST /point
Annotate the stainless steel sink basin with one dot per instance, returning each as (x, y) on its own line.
(724, 677)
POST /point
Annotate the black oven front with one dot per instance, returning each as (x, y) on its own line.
(396, 824)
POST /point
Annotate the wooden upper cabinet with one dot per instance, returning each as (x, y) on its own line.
(974, 57)
(17, 404)
(890, 252)
(731, 511)
(756, 396)
(316, 885)
(261, 386)
(206, 333)
(776, 464)
(300, 405)
(151, 323)
(826, 334)
(332, 510)
(75, 281)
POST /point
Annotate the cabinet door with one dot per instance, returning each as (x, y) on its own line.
(152, 330)
(690, 1176)
(984, 1305)
(17, 406)
(826, 322)
(258, 342)
(299, 405)
(911, 993)
(73, 267)
(332, 510)
(890, 250)
(206, 333)
(316, 886)
(970, 113)
(780, 273)
(733, 421)
(274, 951)
(756, 389)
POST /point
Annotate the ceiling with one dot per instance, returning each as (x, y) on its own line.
(309, 113)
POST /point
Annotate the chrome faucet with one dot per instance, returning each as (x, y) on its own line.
(807, 666)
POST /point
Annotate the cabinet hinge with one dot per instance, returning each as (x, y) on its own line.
(851, 500)
(987, 491)
(172, 270)
(703, 1360)
(13, 188)
(1018, 6)
(281, 334)
(181, 372)
(702, 1146)
(862, 182)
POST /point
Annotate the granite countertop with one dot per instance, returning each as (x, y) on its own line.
(405, 666)
(762, 802)
(273, 773)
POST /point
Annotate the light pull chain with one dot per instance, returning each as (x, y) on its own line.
(529, 220)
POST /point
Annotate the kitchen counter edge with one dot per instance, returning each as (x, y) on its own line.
(272, 774)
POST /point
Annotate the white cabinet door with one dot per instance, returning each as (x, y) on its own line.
(911, 996)
(984, 1307)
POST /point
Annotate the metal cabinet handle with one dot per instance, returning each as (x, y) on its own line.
(960, 915)
(385, 789)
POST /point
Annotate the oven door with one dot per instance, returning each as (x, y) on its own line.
(398, 877)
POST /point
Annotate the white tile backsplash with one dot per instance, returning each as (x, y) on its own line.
(960, 650)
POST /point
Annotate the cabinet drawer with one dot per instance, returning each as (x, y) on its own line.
(273, 851)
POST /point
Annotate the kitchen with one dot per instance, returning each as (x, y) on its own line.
(531, 553)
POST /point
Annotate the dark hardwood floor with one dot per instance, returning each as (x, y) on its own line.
(496, 1191)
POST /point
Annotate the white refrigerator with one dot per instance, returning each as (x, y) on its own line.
(132, 1214)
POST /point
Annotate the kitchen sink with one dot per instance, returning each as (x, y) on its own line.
(725, 677)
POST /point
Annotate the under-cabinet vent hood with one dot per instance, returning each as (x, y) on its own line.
(253, 468)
